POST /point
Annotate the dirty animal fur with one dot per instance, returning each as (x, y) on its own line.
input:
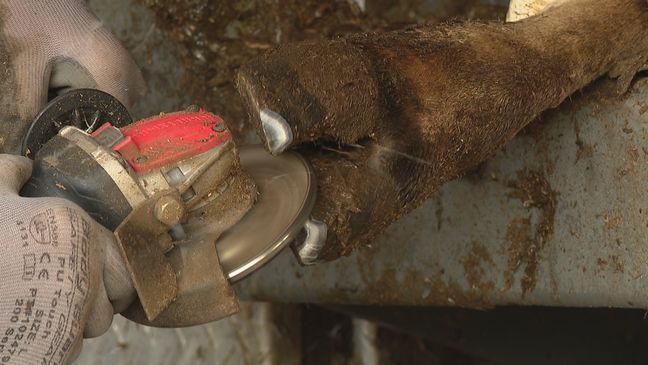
(410, 110)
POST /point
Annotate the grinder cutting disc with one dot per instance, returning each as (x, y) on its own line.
(285, 183)
(287, 190)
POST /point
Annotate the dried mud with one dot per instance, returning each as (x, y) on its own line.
(526, 239)
(475, 267)
(402, 286)
(388, 288)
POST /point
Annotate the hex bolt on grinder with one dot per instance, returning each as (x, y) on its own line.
(191, 212)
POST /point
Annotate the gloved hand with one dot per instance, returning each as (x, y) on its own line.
(61, 274)
(387, 118)
(53, 45)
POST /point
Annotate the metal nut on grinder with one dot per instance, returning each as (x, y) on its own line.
(169, 210)
(185, 209)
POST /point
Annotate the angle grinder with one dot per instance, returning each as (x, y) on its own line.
(161, 184)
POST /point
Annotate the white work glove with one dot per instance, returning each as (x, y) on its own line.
(61, 274)
(55, 45)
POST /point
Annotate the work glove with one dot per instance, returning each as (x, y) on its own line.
(61, 274)
(387, 118)
(49, 46)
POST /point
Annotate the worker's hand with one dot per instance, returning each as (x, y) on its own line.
(49, 46)
(387, 118)
(61, 276)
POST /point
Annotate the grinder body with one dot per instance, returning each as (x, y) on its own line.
(185, 204)
(144, 181)
(111, 171)
(62, 169)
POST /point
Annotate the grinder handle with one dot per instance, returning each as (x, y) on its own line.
(63, 170)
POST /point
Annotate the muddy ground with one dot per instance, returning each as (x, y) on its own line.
(215, 37)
